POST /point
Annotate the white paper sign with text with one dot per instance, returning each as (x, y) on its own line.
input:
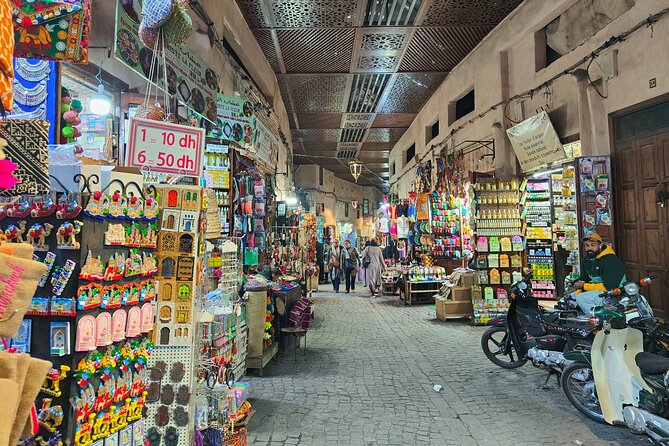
(165, 147)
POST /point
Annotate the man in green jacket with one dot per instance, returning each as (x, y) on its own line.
(601, 271)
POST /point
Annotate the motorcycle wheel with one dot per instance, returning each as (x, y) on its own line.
(499, 349)
(578, 383)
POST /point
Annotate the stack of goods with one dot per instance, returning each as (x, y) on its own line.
(499, 245)
(424, 273)
(249, 220)
(217, 176)
(446, 225)
(539, 235)
(421, 238)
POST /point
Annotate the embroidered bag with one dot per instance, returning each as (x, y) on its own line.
(52, 29)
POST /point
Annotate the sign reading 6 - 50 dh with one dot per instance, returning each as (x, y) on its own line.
(165, 147)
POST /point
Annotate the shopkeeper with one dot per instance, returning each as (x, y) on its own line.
(601, 271)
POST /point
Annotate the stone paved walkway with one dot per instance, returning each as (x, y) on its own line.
(368, 377)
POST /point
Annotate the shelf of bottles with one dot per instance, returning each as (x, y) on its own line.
(499, 246)
(565, 215)
(538, 228)
(217, 175)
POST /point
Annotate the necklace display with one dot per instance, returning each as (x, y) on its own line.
(38, 113)
(30, 97)
(32, 72)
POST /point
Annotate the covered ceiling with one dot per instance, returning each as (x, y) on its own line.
(354, 73)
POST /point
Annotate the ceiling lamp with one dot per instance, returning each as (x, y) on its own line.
(100, 103)
(354, 203)
(356, 169)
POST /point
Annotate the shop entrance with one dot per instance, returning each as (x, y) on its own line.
(642, 165)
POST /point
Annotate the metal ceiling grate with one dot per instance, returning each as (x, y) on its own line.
(377, 41)
(313, 14)
(264, 38)
(330, 135)
(385, 135)
(283, 88)
(318, 93)
(374, 154)
(441, 49)
(254, 14)
(468, 12)
(410, 92)
(346, 154)
(366, 92)
(316, 50)
(352, 135)
(377, 63)
(391, 12)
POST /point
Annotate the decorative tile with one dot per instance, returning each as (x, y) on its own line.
(313, 14)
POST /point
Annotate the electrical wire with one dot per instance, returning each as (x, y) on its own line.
(613, 41)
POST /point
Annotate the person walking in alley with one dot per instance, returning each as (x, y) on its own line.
(351, 260)
(335, 265)
(372, 261)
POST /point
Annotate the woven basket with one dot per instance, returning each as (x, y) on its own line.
(179, 26)
(156, 12)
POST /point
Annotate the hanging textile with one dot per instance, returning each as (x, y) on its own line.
(6, 54)
(52, 29)
(27, 147)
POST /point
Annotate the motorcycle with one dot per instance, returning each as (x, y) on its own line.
(529, 332)
(619, 381)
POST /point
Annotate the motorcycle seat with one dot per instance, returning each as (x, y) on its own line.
(652, 364)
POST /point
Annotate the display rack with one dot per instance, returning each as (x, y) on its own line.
(218, 159)
(538, 228)
(499, 246)
(565, 226)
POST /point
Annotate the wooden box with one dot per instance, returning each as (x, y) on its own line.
(457, 305)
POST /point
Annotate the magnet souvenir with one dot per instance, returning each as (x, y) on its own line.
(66, 235)
(86, 334)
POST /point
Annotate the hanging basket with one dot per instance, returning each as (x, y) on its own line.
(179, 26)
(156, 12)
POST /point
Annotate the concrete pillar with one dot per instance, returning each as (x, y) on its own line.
(584, 117)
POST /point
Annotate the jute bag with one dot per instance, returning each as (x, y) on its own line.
(18, 282)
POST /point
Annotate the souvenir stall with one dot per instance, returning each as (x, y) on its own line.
(499, 245)
(93, 303)
(286, 251)
(311, 268)
(249, 211)
(222, 409)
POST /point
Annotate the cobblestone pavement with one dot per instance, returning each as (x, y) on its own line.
(368, 380)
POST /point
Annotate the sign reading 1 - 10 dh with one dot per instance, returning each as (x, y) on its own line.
(165, 147)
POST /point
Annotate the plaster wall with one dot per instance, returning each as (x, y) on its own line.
(503, 65)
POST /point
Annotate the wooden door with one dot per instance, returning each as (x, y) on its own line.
(642, 164)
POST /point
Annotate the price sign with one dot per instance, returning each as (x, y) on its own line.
(165, 147)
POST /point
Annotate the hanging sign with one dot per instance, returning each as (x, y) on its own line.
(536, 142)
(165, 147)
(188, 77)
(235, 120)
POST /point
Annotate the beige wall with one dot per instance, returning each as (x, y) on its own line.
(503, 65)
(334, 193)
(230, 23)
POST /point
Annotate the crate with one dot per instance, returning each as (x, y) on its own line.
(458, 304)
(468, 280)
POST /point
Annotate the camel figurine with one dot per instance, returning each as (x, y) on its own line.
(37, 235)
(15, 233)
(51, 384)
(50, 417)
(66, 235)
(68, 210)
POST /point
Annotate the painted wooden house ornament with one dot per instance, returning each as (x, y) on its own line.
(119, 319)
(86, 334)
(104, 329)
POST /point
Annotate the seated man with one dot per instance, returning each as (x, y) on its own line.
(601, 271)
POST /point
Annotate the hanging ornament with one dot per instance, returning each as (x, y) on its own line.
(32, 72)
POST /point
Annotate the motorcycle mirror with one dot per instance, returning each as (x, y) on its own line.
(666, 378)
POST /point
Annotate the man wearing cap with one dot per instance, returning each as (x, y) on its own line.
(601, 271)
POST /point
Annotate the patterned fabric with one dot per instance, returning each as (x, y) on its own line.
(6, 53)
(43, 31)
(27, 147)
(300, 314)
(156, 12)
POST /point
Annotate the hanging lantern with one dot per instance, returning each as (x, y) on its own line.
(356, 169)
(354, 203)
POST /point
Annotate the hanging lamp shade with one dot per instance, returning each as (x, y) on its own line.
(355, 167)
